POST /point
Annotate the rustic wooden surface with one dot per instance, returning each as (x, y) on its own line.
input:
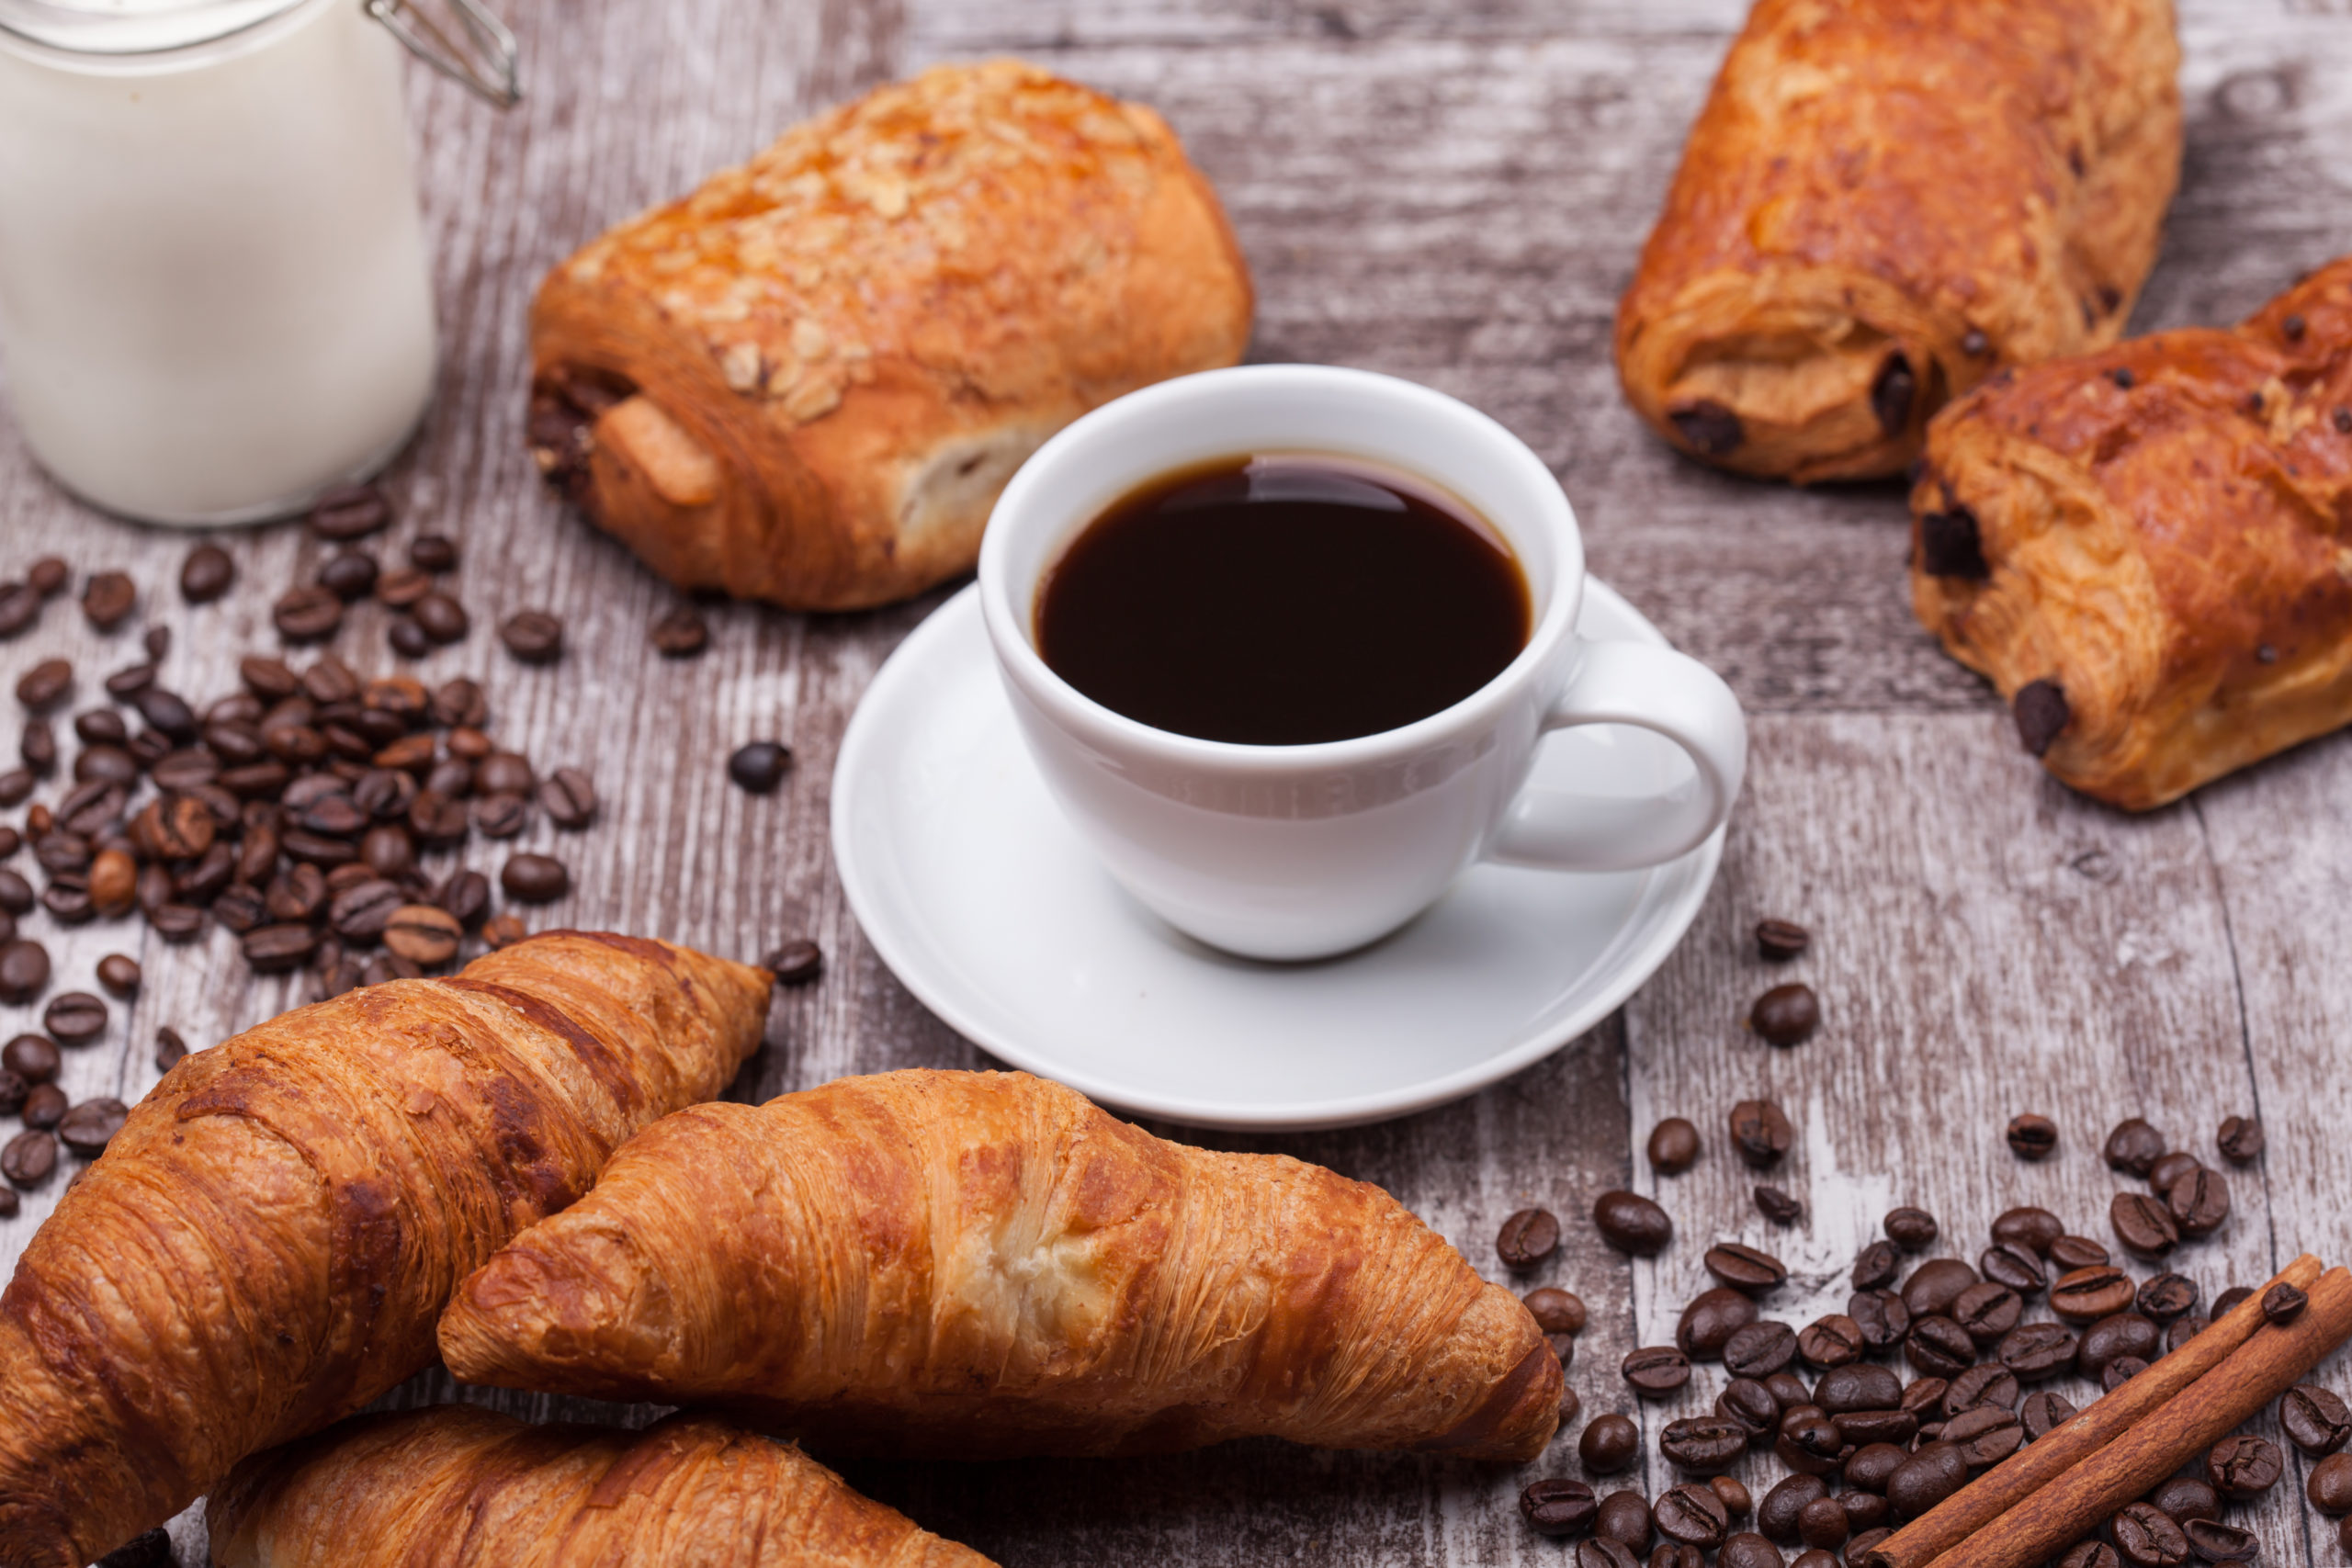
(1452, 190)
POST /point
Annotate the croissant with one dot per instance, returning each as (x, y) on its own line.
(2149, 550)
(267, 1242)
(983, 1264)
(461, 1487)
(807, 381)
(1882, 202)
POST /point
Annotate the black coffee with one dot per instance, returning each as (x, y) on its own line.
(1283, 600)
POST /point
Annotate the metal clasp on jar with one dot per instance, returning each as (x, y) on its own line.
(486, 64)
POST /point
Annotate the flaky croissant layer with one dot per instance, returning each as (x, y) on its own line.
(268, 1243)
(461, 1487)
(984, 1264)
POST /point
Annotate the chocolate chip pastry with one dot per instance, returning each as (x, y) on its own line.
(2149, 549)
(1886, 201)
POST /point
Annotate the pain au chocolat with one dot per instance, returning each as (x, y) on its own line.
(1883, 202)
(807, 381)
(2149, 549)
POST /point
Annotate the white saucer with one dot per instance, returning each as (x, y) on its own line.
(979, 895)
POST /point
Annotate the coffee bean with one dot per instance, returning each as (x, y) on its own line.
(534, 636)
(408, 639)
(2042, 1411)
(569, 798)
(1778, 1512)
(423, 934)
(1872, 1464)
(1780, 940)
(1610, 1443)
(1925, 1479)
(1604, 1551)
(1673, 1146)
(1860, 1386)
(2033, 1137)
(274, 949)
(2090, 1554)
(1748, 1550)
(1704, 1445)
(34, 1058)
(1877, 1266)
(29, 1158)
(2240, 1140)
(45, 1106)
(45, 684)
(1632, 1223)
(438, 821)
(1555, 1311)
(349, 575)
(74, 1018)
(2143, 1225)
(1760, 1132)
(1786, 1015)
(1987, 1311)
(1528, 1236)
(2145, 1537)
(1833, 1340)
(19, 608)
(2032, 1229)
(1745, 1267)
(2199, 1202)
(2217, 1542)
(2085, 1295)
(1692, 1514)
(681, 634)
(2069, 1253)
(1814, 1557)
(108, 598)
(207, 574)
(2181, 1331)
(38, 747)
(1925, 1395)
(535, 879)
(2231, 1298)
(2037, 1351)
(441, 618)
(1710, 1320)
(2315, 1419)
(2166, 1296)
(1821, 1524)
(2244, 1466)
(2283, 1302)
(1940, 1347)
(1810, 1442)
(1778, 1206)
(760, 766)
(1913, 1230)
(501, 815)
(1882, 1317)
(1989, 1387)
(2170, 1168)
(1934, 1285)
(1733, 1495)
(2330, 1485)
(307, 614)
(91, 1125)
(170, 1049)
(2123, 1334)
(2015, 1267)
(1760, 1349)
(1750, 1405)
(1558, 1506)
(348, 513)
(467, 896)
(503, 930)
(1654, 1372)
(1624, 1519)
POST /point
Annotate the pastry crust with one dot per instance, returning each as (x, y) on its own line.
(266, 1244)
(457, 1487)
(1884, 201)
(977, 1265)
(807, 381)
(2149, 550)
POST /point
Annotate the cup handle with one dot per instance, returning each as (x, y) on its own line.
(1657, 689)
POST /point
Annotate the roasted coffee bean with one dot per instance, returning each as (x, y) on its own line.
(1925, 1395)
(349, 575)
(1778, 1512)
(2183, 1330)
(1709, 1319)
(2037, 1351)
(503, 772)
(1814, 1557)
(1843, 1390)
(1692, 1514)
(108, 598)
(307, 614)
(432, 552)
(1780, 940)
(1877, 1266)
(1785, 1015)
(2330, 1485)
(1925, 1479)
(681, 634)
(1704, 1445)
(388, 851)
(2041, 1411)
(2170, 1168)
(503, 930)
(269, 679)
(45, 684)
(16, 898)
(1732, 1494)
(1745, 1267)
(2014, 1267)
(1570, 1405)
(2315, 1419)
(2145, 1537)
(1882, 1317)
(1751, 1405)
(207, 574)
(1984, 1436)
(2283, 1302)
(384, 793)
(241, 909)
(1656, 1371)
(74, 1018)
(2071, 1252)
(1610, 1443)
(2085, 1296)
(534, 879)
(1606, 1551)
(441, 618)
(89, 1127)
(533, 635)
(1789, 1389)
(45, 1106)
(1748, 1550)
(359, 913)
(1623, 1517)
(2186, 1497)
(1810, 1442)
(317, 849)
(176, 922)
(2033, 1137)
(569, 798)
(2030, 1228)
(1632, 1223)
(1987, 1311)
(1913, 1230)
(407, 638)
(2123, 1334)
(1558, 1506)
(459, 704)
(2090, 1554)
(2143, 1224)
(274, 949)
(68, 902)
(38, 747)
(501, 815)
(49, 576)
(1981, 1387)
(1555, 1311)
(2240, 1140)
(1527, 1238)
(1835, 1340)
(2119, 1371)
(1872, 1465)
(2231, 1297)
(1760, 1349)
(2243, 1466)
(1940, 1347)
(30, 1158)
(1934, 1285)
(348, 513)
(19, 608)
(119, 973)
(33, 1058)
(2217, 1542)
(1778, 1206)
(467, 896)
(2199, 1202)
(1673, 1146)
(2133, 1147)
(760, 766)
(1821, 1524)
(101, 726)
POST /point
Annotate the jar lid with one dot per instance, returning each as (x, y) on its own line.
(132, 27)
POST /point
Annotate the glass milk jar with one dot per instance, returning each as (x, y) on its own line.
(214, 301)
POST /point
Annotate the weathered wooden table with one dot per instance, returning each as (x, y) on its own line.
(1453, 192)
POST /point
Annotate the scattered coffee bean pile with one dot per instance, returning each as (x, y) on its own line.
(1997, 1351)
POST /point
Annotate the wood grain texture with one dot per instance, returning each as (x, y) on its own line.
(1454, 192)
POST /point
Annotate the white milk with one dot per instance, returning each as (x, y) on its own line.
(213, 295)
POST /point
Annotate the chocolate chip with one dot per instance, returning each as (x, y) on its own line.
(1710, 429)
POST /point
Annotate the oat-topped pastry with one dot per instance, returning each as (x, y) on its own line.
(1883, 202)
(807, 381)
(2149, 550)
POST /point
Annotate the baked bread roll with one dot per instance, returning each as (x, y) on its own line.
(461, 1487)
(807, 381)
(2147, 549)
(980, 1265)
(1884, 201)
(268, 1243)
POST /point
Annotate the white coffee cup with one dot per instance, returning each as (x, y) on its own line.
(1303, 851)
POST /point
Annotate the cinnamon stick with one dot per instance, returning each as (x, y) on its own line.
(2010, 1483)
(2250, 1377)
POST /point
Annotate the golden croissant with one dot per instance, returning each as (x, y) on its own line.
(983, 1264)
(461, 1487)
(268, 1243)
